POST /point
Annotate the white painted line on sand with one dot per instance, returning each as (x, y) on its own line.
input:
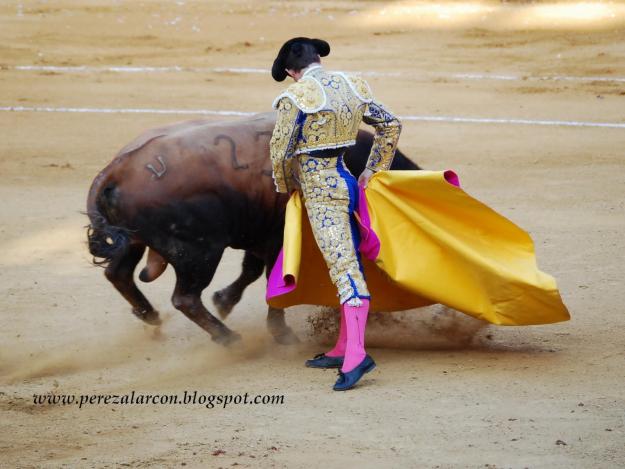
(209, 112)
(494, 120)
(92, 110)
(248, 70)
(131, 69)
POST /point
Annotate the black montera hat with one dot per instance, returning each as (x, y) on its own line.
(277, 71)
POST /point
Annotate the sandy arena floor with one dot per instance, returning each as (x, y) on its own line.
(450, 393)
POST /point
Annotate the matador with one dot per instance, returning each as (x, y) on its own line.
(318, 118)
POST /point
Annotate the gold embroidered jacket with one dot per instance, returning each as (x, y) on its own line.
(324, 110)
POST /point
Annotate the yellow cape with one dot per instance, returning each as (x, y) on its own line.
(437, 245)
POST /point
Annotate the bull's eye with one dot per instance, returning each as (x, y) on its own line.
(109, 241)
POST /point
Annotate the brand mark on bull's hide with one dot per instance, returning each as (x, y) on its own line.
(264, 133)
(233, 151)
(157, 174)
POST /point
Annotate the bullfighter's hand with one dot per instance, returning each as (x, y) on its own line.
(363, 180)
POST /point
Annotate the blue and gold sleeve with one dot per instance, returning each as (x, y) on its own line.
(387, 129)
(282, 145)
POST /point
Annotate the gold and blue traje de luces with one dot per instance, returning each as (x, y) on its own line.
(321, 113)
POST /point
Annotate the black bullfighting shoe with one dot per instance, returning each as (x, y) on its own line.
(348, 380)
(323, 361)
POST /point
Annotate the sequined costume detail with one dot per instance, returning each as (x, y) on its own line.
(282, 145)
(323, 111)
(330, 194)
(335, 104)
(387, 130)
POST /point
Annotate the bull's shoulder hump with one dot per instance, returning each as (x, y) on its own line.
(358, 85)
(307, 94)
(159, 133)
(220, 135)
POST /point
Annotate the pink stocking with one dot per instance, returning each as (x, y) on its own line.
(339, 348)
(356, 322)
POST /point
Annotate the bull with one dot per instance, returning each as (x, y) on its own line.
(187, 191)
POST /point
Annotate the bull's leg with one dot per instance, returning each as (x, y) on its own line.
(194, 274)
(226, 298)
(276, 323)
(120, 273)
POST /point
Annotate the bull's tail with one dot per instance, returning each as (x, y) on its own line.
(106, 241)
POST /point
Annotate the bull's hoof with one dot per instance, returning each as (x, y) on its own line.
(150, 317)
(223, 303)
(286, 337)
(226, 338)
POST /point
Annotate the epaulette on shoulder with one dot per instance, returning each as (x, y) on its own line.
(307, 94)
(358, 86)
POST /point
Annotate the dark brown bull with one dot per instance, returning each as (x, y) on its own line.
(188, 191)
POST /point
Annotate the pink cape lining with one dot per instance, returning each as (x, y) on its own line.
(369, 241)
(280, 284)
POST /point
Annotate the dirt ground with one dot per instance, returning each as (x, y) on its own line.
(448, 391)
